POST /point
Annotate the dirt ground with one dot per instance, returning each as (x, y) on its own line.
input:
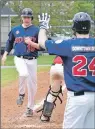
(12, 115)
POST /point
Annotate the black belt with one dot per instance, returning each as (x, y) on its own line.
(27, 57)
(77, 93)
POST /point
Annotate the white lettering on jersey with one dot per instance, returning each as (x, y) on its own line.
(83, 48)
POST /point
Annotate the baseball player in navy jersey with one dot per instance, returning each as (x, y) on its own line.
(25, 57)
(78, 55)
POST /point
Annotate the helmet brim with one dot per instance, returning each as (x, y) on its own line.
(26, 16)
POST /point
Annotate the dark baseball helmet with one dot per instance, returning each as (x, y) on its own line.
(27, 12)
(81, 23)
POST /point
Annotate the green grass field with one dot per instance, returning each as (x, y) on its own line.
(10, 74)
(41, 60)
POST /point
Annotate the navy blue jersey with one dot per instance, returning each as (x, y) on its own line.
(78, 56)
(16, 41)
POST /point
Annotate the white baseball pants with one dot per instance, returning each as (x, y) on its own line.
(27, 70)
(80, 111)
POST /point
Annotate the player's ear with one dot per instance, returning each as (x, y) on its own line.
(74, 33)
(32, 18)
(21, 20)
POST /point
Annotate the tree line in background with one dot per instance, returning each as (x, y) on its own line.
(61, 12)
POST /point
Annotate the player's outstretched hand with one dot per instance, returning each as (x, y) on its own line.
(44, 19)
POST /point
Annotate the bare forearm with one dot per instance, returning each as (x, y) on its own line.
(5, 53)
(42, 38)
(4, 57)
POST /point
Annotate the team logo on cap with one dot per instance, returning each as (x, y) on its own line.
(26, 11)
(17, 32)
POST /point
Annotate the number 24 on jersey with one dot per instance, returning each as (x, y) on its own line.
(79, 70)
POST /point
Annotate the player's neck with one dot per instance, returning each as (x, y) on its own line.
(82, 35)
(25, 26)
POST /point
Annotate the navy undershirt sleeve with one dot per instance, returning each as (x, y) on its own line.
(10, 42)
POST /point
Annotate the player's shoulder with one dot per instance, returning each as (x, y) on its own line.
(15, 28)
(81, 40)
(36, 28)
(57, 41)
(69, 40)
